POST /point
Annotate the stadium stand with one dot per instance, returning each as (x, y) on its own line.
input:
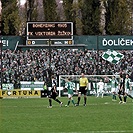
(32, 64)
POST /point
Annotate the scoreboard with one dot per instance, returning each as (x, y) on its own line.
(44, 32)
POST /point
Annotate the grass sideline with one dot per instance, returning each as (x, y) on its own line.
(101, 115)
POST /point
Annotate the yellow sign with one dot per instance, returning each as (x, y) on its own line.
(70, 42)
(20, 93)
(29, 42)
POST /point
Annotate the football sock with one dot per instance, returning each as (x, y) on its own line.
(125, 98)
(68, 103)
(50, 102)
(120, 98)
(130, 96)
(102, 94)
(57, 101)
(85, 100)
(78, 100)
(115, 97)
(73, 102)
(97, 94)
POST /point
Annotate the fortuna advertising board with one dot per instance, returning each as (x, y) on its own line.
(16, 93)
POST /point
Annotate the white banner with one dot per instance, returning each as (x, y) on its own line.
(25, 85)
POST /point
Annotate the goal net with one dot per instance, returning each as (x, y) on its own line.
(93, 81)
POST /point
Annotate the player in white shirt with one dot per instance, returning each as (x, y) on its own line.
(114, 85)
(100, 86)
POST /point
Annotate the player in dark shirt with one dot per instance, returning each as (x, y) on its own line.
(121, 88)
(53, 94)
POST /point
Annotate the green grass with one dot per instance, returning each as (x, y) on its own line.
(101, 115)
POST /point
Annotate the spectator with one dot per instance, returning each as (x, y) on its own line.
(32, 65)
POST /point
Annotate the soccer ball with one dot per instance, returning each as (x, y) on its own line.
(9, 93)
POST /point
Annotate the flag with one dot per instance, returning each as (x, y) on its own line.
(112, 56)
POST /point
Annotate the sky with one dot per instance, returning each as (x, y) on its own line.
(22, 2)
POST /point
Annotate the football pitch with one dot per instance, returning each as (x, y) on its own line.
(101, 115)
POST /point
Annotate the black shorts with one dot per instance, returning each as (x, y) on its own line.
(120, 92)
(53, 95)
(83, 90)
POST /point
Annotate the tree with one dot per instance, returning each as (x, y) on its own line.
(91, 17)
(10, 17)
(67, 5)
(31, 10)
(77, 16)
(72, 9)
(118, 17)
(50, 10)
(39, 10)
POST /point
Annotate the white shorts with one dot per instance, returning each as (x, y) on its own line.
(70, 95)
(100, 91)
(113, 89)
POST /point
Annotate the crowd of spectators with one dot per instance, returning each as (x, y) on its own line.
(33, 64)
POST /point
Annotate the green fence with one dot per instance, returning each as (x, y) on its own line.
(91, 42)
(115, 42)
(10, 42)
